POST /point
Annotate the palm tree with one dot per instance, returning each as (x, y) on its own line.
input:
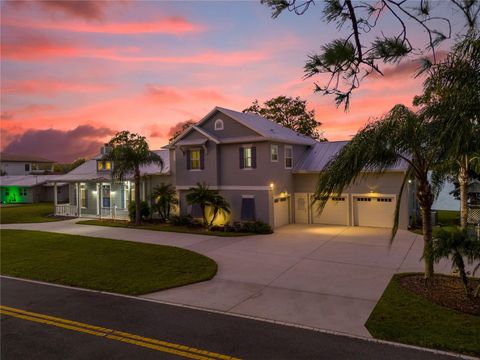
(451, 98)
(219, 206)
(164, 197)
(202, 196)
(401, 135)
(128, 153)
(457, 246)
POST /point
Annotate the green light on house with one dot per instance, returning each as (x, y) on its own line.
(11, 194)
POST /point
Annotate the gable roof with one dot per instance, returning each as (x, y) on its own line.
(26, 180)
(23, 158)
(315, 160)
(266, 129)
(88, 170)
(194, 128)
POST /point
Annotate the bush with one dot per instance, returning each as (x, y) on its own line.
(183, 220)
(256, 227)
(144, 210)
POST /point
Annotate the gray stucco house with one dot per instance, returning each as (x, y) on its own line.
(264, 170)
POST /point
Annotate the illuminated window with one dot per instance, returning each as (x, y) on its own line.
(195, 159)
(288, 157)
(83, 196)
(247, 157)
(103, 165)
(274, 153)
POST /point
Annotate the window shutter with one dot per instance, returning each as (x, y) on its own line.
(254, 157)
(202, 159)
(86, 197)
(241, 157)
(188, 160)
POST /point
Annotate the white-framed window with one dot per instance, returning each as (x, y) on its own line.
(288, 156)
(274, 153)
(195, 159)
(83, 196)
(218, 124)
(128, 193)
(23, 192)
(104, 165)
(247, 157)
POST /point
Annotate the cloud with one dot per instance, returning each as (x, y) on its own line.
(168, 95)
(50, 87)
(179, 127)
(407, 67)
(174, 25)
(58, 145)
(86, 9)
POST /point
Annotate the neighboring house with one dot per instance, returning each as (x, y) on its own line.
(31, 189)
(265, 171)
(94, 193)
(16, 164)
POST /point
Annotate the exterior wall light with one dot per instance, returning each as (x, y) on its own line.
(272, 185)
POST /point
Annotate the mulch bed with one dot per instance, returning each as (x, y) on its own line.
(444, 290)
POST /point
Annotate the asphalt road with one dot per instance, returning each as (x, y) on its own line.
(28, 335)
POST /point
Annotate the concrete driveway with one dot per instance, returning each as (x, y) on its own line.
(328, 277)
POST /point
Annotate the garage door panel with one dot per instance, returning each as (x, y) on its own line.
(281, 212)
(374, 211)
(335, 212)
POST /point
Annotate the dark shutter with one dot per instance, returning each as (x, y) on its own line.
(202, 159)
(248, 209)
(188, 160)
(241, 157)
(254, 157)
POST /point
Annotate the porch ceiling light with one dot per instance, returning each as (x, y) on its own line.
(272, 185)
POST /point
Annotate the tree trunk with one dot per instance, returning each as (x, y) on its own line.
(463, 182)
(137, 198)
(425, 199)
(463, 275)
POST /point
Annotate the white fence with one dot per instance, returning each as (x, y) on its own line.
(114, 213)
(66, 210)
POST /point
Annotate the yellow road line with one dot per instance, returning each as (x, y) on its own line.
(154, 344)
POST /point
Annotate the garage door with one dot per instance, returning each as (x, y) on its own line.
(335, 211)
(374, 211)
(281, 211)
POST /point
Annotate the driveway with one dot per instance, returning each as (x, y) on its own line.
(327, 277)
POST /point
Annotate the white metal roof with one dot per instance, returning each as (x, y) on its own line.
(26, 180)
(88, 170)
(318, 156)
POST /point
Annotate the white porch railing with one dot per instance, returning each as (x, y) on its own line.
(474, 215)
(114, 213)
(66, 210)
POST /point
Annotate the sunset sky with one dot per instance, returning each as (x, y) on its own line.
(72, 74)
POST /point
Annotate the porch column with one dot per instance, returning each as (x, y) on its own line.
(100, 200)
(77, 195)
(97, 199)
(55, 198)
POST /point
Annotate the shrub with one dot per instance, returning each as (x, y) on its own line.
(183, 220)
(256, 227)
(144, 210)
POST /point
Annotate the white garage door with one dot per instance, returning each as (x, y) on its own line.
(335, 211)
(374, 211)
(281, 211)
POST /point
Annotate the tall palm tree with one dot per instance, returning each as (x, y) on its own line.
(128, 153)
(165, 198)
(219, 206)
(201, 195)
(401, 135)
(451, 98)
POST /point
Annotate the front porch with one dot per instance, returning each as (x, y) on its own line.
(97, 200)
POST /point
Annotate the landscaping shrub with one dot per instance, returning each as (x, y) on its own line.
(257, 227)
(144, 210)
(181, 220)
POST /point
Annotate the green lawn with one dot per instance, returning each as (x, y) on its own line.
(27, 213)
(162, 227)
(102, 264)
(405, 317)
(447, 219)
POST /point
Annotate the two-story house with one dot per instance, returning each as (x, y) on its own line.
(265, 171)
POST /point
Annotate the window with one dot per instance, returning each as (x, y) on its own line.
(248, 157)
(106, 196)
(27, 167)
(103, 165)
(194, 159)
(248, 208)
(288, 157)
(83, 196)
(274, 153)
(23, 192)
(218, 124)
(128, 193)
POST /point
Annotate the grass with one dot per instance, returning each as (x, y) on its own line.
(162, 227)
(101, 264)
(405, 317)
(27, 213)
(447, 219)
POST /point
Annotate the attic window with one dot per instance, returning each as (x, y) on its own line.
(218, 124)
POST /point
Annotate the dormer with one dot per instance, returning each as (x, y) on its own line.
(104, 165)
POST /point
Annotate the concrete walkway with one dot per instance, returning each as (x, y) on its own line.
(328, 277)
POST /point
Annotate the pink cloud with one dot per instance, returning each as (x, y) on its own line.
(174, 25)
(50, 87)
